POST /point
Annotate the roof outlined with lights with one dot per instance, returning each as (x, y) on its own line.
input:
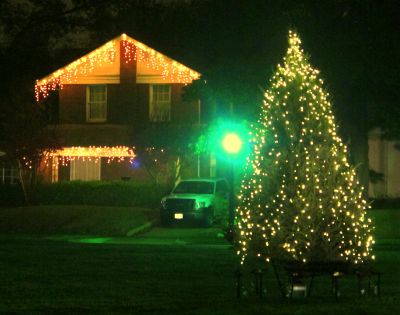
(102, 66)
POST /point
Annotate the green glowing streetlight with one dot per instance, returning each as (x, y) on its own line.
(232, 143)
(229, 143)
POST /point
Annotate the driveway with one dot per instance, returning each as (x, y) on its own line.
(198, 237)
(183, 236)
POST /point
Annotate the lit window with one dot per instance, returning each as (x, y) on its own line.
(85, 170)
(96, 103)
(160, 102)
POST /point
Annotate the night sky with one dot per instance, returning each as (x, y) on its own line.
(234, 44)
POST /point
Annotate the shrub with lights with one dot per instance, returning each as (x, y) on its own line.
(300, 199)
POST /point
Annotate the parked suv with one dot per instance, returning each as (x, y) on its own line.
(198, 200)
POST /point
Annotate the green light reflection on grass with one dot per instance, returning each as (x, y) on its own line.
(92, 240)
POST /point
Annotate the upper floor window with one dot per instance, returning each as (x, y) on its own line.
(160, 102)
(96, 103)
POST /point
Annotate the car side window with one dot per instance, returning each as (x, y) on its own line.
(222, 188)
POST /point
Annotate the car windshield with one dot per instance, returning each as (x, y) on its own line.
(194, 188)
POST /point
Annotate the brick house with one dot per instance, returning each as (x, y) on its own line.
(384, 160)
(102, 100)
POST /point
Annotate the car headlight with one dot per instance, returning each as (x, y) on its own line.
(200, 204)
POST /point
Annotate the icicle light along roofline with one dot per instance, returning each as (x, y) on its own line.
(116, 153)
(133, 50)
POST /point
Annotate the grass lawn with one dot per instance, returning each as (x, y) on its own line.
(96, 220)
(39, 275)
(387, 224)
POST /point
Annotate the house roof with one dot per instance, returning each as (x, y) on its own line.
(102, 65)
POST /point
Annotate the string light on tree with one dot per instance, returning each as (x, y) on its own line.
(300, 198)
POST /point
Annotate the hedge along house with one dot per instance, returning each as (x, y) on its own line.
(103, 99)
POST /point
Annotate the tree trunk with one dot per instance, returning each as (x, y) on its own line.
(33, 177)
(23, 182)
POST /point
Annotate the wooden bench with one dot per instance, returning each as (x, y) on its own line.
(373, 276)
(298, 273)
(302, 276)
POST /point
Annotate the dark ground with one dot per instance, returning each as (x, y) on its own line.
(175, 271)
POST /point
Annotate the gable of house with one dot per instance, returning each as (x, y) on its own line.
(108, 64)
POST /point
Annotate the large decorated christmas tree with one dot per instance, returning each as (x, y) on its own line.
(300, 198)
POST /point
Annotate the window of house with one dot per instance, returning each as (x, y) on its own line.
(160, 102)
(9, 174)
(85, 170)
(96, 103)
